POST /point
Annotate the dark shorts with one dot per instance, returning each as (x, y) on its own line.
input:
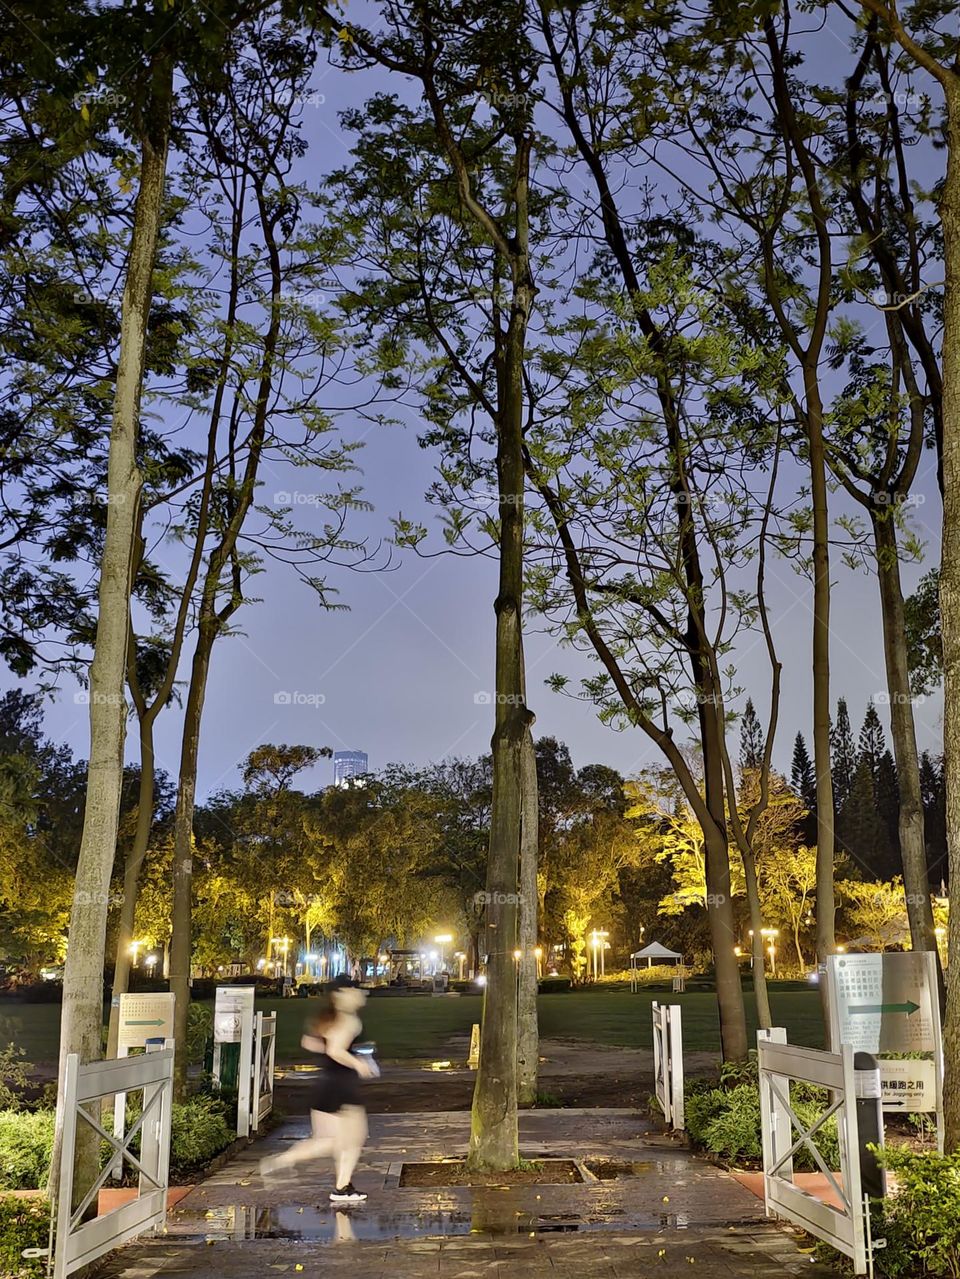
(335, 1089)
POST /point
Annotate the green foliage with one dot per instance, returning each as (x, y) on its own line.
(726, 1121)
(199, 1131)
(924, 645)
(922, 1220)
(723, 1116)
(14, 1077)
(199, 1030)
(26, 1141)
(24, 1223)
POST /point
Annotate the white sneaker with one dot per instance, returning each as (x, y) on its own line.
(347, 1194)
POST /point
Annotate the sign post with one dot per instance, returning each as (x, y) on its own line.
(142, 1017)
(233, 1024)
(889, 1003)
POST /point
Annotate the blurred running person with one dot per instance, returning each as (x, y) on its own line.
(338, 1121)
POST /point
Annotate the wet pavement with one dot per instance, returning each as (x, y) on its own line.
(644, 1204)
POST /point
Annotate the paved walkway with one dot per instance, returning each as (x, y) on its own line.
(664, 1213)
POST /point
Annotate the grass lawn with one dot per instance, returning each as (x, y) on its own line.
(420, 1026)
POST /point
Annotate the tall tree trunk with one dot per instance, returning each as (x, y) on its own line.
(81, 1023)
(181, 922)
(493, 1124)
(913, 850)
(761, 995)
(723, 934)
(528, 1038)
(950, 592)
(131, 878)
(826, 896)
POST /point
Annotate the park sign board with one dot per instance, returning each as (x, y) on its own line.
(910, 1086)
(233, 1015)
(890, 1003)
(885, 1003)
(232, 1009)
(144, 1017)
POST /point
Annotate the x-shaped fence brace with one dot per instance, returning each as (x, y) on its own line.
(121, 1147)
(806, 1133)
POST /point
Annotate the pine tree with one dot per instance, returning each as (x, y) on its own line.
(887, 796)
(803, 780)
(843, 756)
(861, 832)
(872, 743)
(751, 738)
(934, 794)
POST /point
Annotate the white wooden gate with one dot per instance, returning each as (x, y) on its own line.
(77, 1242)
(668, 1061)
(264, 1060)
(847, 1227)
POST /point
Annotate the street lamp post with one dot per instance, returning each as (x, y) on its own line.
(598, 941)
(283, 945)
(443, 939)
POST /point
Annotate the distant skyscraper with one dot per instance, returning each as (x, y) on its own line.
(347, 765)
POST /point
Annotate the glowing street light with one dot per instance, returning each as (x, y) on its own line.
(599, 944)
(443, 939)
(282, 944)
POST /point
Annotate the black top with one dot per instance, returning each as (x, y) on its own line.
(337, 1085)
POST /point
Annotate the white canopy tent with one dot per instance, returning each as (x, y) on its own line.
(655, 953)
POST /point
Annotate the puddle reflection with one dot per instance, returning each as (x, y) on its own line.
(488, 1215)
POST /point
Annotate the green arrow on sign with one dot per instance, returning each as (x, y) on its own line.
(156, 1022)
(908, 1007)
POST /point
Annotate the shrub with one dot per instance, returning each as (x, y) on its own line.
(199, 1130)
(922, 1220)
(24, 1223)
(554, 985)
(14, 1077)
(723, 1116)
(199, 1030)
(26, 1141)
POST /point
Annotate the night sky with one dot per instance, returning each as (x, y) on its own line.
(397, 676)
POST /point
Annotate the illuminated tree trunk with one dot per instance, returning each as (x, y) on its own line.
(528, 1037)
(81, 1023)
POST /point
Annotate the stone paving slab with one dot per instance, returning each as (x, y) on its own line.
(674, 1214)
(763, 1253)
